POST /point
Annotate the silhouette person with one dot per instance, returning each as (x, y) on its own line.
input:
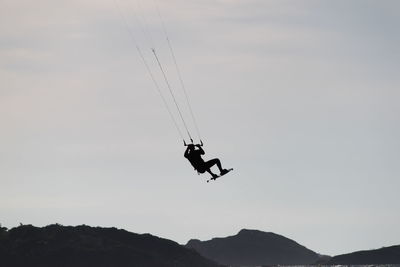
(194, 156)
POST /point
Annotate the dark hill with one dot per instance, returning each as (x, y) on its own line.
(388, 255)
(85, 246)
(254, 248)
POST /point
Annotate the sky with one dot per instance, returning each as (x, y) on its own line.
(300, 97)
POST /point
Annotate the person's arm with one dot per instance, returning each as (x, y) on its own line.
(201, 150)
(186, 152)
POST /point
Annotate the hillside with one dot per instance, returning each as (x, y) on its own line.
(387, 255)
(83, 246)
(252, 248)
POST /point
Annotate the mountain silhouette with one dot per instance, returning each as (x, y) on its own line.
(254, 248)
(387, 255)
(84, 246)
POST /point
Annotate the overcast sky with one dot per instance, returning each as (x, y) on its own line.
(300, 97)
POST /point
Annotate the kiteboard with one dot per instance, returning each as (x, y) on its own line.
(215, 178)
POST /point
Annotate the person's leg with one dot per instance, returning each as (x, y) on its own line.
(213, 162)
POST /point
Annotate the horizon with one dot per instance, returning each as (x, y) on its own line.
(195, 239)
(300, 97)
(201, 240)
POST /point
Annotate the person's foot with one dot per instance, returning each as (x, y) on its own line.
(224, 171)
(214, 176)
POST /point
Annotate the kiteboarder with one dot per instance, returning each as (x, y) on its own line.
(201, 166)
